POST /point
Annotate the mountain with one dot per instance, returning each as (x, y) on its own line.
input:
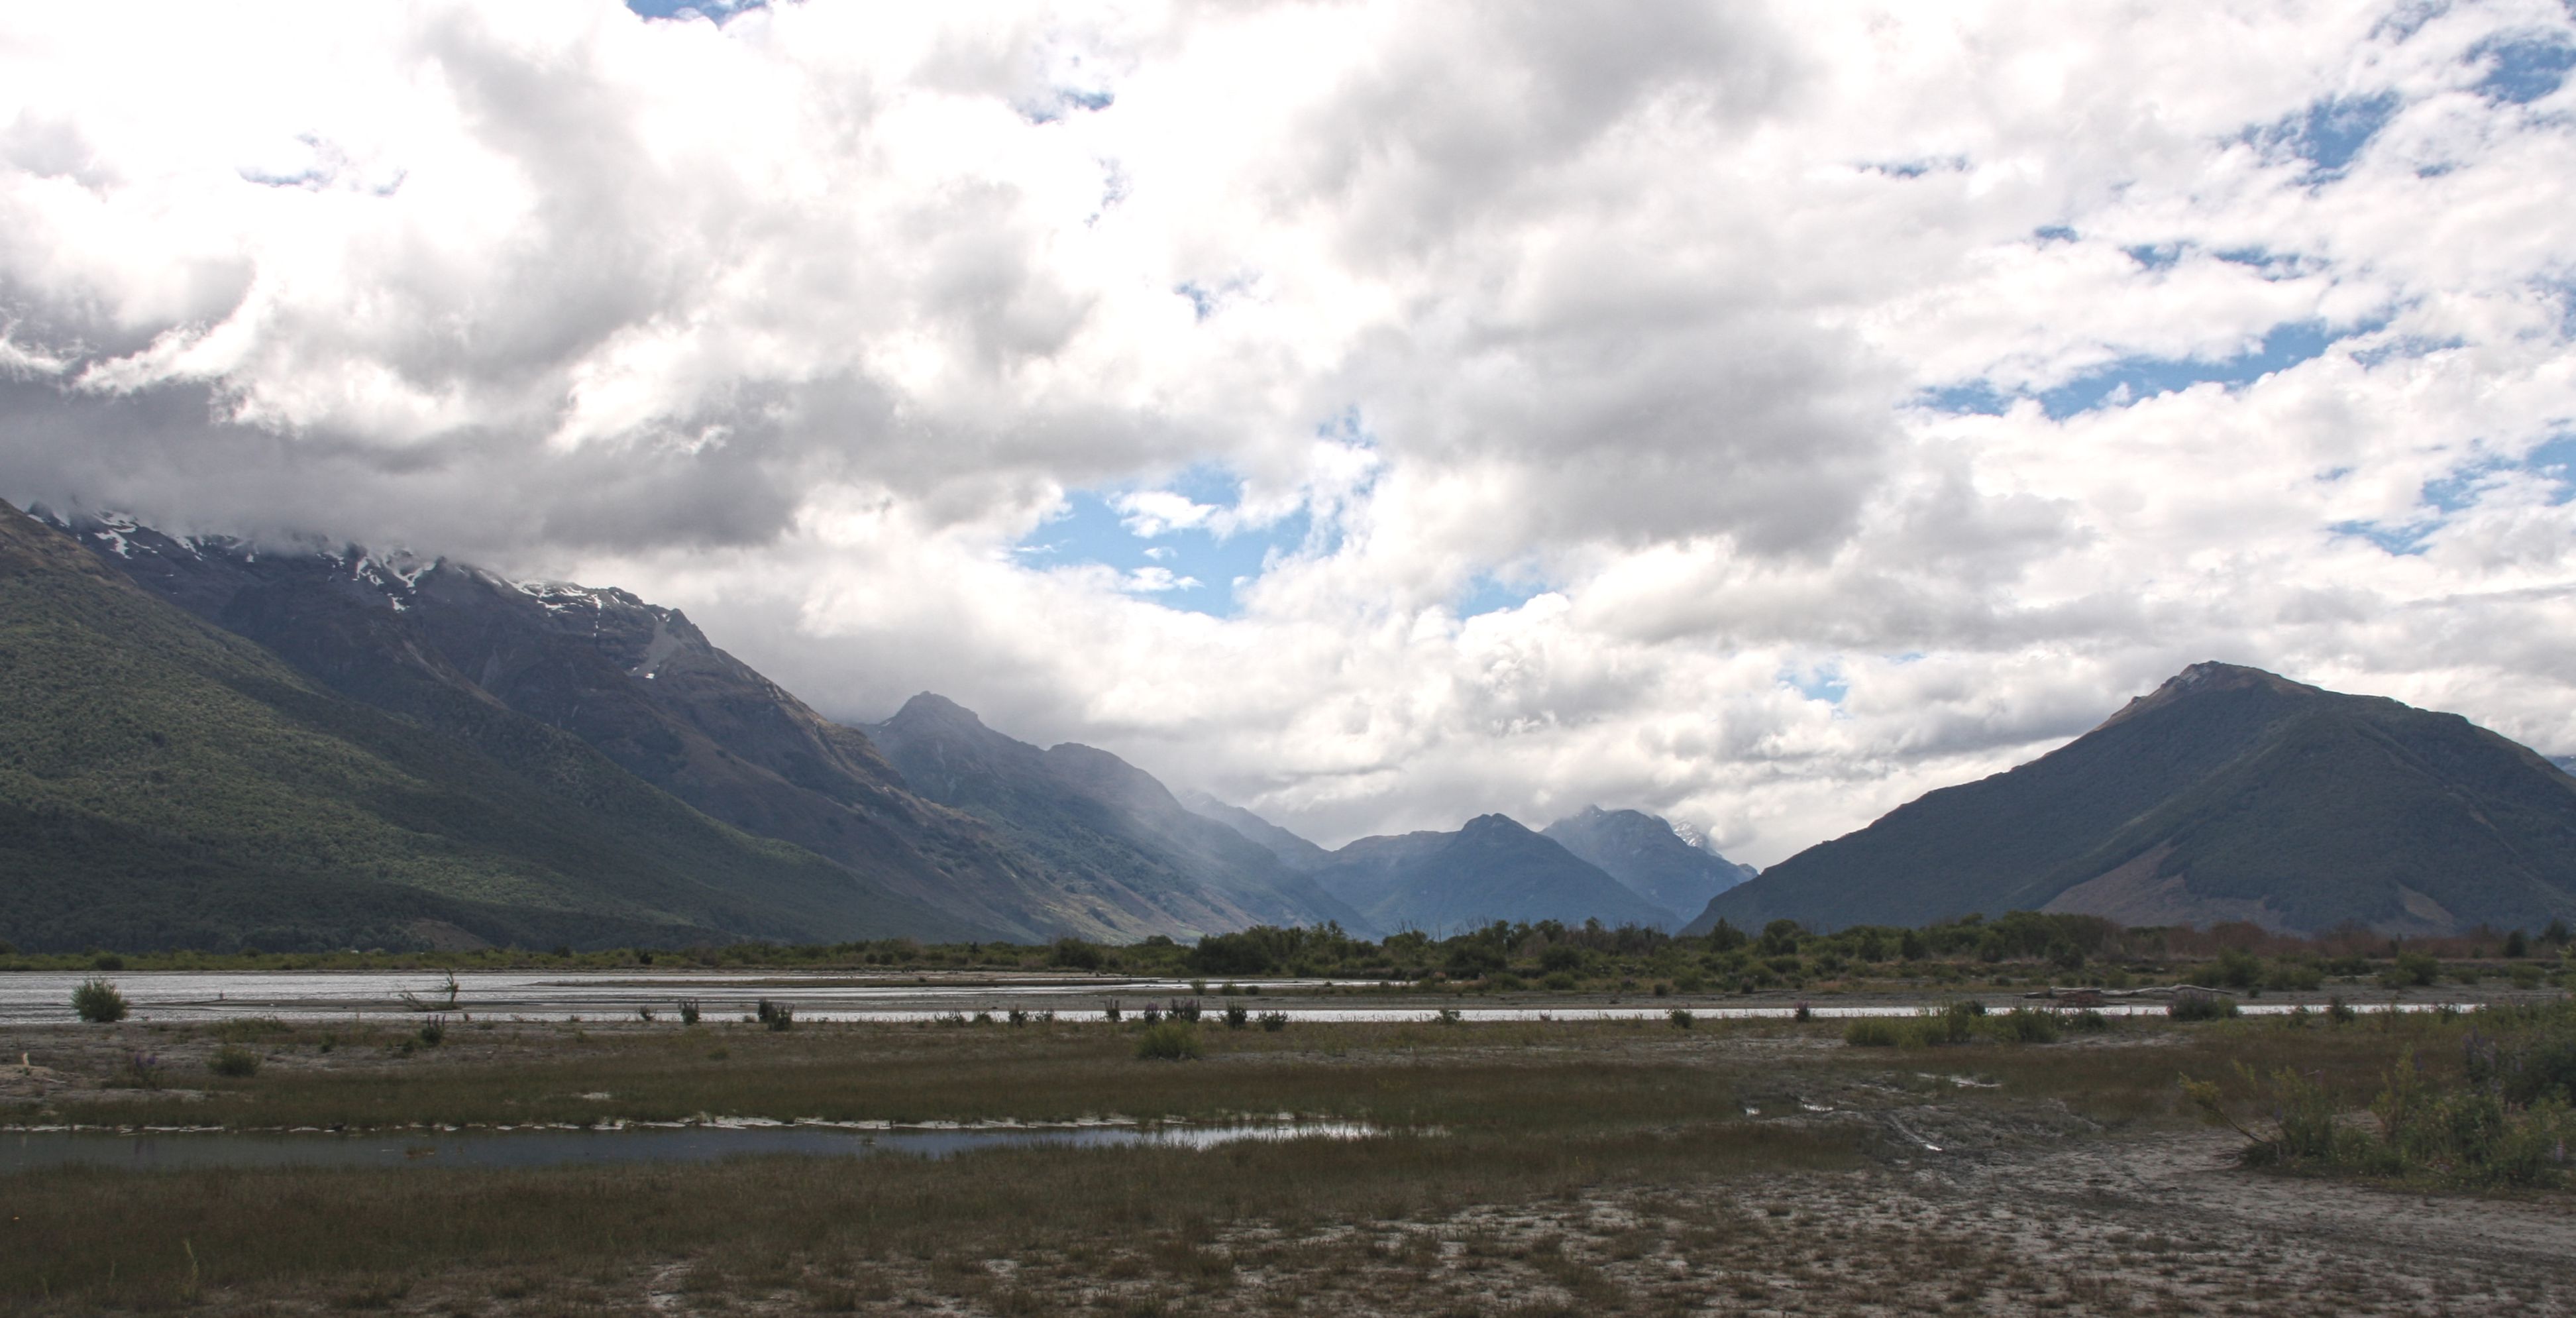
(1492, 869)
(2229, 793)
(474, 655)
(166, 783)
(1650, 856)
(1131, 856)
(1293, 851)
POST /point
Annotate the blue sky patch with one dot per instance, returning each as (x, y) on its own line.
(2329, 133)
(2554, 461)
(1823, 682)
(1488, 593)
(2145, 377)
(714, 11)
(1180, 567)
(2131, 379)
(2524, 70)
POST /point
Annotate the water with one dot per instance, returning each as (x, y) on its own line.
(202, 996)
(22, 1151)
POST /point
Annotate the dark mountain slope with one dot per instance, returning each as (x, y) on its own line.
(1492, 869)
(465, 651)
(2228, 793)
(1293, 851)
(1643, 852)
(1135, 858)
(164, 783)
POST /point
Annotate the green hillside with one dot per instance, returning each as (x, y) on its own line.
(164, 783)
(2228, 794)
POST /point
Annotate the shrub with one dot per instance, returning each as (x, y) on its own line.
(2201, 1007)
(1074, 954)
(1274, 1021)
(2028, 1025)
(775, 1015)
(1169, 1041)
(234, 1061)
(2294, 976)
(689, 1011)
(1561, 982)
(1681, 1018)
(1018, 1016)
(2526, 976)
(2237, 968)
(1236, 1014)
(1187, 1011)
(1803, 1011)
(1110, 1013)
(433, 1031)
(2338, 1011)
(98, 1002)
(2418, 969)
(107, 961)
(1951, 1022)
(1448, 1016)
(2089, 1021)
(1871, 1032)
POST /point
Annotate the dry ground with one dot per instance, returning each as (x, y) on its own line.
(1592, 1169)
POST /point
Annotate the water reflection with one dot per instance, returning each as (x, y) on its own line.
(177, 1151)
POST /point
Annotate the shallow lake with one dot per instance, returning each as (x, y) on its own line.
(31, 998)
(180, 1150)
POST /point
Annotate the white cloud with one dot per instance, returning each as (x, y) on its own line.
(804, 321)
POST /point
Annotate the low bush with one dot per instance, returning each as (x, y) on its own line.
(433, 1031)
(2027, 1025)
(2506, 1119)
(1872, 1032)
(689, 1012)
(1681, 1018)
(1236, 1014)
(2089, 1021)
(1169, 1041)
(2416, 969)
(775, 1015)
(2201, 1007)
(98, 1002)
(234, 1062)
(1274, 1021)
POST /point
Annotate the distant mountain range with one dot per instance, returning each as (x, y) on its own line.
(543, 762)
(2229, 793)
(1678, 872)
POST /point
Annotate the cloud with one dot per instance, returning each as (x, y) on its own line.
(1756, 414)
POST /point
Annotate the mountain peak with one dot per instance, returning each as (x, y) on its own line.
(931, 708)
(2212, 677)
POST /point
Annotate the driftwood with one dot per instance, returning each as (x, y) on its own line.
(2164, 991)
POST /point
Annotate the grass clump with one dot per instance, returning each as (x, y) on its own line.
(2505, 1118)
(2201, 1007)
(1872, 1032)
(1169, 1041)
(98, 1002)
(234, 1062)
(2027, 1025)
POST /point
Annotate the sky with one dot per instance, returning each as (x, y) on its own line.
(1373, 414)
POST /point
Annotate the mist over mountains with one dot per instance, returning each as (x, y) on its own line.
(232, 744)
(615, 720)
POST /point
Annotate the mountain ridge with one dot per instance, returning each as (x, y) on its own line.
(2226, 793)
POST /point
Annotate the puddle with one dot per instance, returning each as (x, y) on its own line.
(175, 1151)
